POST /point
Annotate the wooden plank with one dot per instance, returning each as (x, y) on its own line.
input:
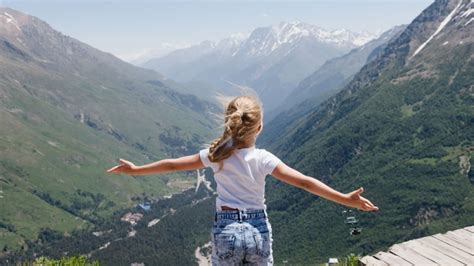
(371, 261)
(470, 228)
(468, 233)
(431, 253)
(459, 235)
(447, 249)
(454, 243)
(460, 239)
(392, 259)
(411, 255)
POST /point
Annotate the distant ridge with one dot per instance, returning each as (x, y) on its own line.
(329, 78)
(271, 60)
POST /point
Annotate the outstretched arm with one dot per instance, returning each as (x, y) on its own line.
(190, 162)
(293, 177)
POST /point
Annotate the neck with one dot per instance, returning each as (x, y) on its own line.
(246, 145)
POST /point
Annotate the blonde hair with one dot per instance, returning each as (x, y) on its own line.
(243, 117)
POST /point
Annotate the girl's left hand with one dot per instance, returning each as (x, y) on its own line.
(359, 202)
(125, 167)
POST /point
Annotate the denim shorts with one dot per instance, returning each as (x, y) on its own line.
(241, 238)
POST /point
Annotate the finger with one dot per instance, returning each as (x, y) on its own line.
(371, 207)
(125, 162)
(375, 208)
(367, 201)
(357, 191)
(113, 168)
(364, 205)
(370, 202)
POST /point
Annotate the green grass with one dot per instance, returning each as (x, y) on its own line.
(28, 214)
(70, 261)
(454, 153)
(407, 111)
(11, 240)
(428, 161)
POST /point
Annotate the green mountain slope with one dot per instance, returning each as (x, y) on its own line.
(403, 129)
(67, 113)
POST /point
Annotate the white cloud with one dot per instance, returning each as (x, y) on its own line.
(138, 56)
(264, 14)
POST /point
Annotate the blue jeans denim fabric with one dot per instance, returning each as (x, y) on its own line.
(241, 238)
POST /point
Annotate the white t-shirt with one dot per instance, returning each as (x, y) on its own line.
(241, 181)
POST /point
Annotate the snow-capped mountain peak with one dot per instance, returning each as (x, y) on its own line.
(232, 42)
(264, 40)
(9, 21)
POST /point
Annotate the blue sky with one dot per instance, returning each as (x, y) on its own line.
(134, 29)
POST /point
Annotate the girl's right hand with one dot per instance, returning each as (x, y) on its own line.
(125, 167)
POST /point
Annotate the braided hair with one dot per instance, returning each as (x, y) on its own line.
(242, 120)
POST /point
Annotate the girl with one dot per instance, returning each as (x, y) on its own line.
(241, 233)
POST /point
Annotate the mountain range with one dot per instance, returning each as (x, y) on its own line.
(271, 60)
